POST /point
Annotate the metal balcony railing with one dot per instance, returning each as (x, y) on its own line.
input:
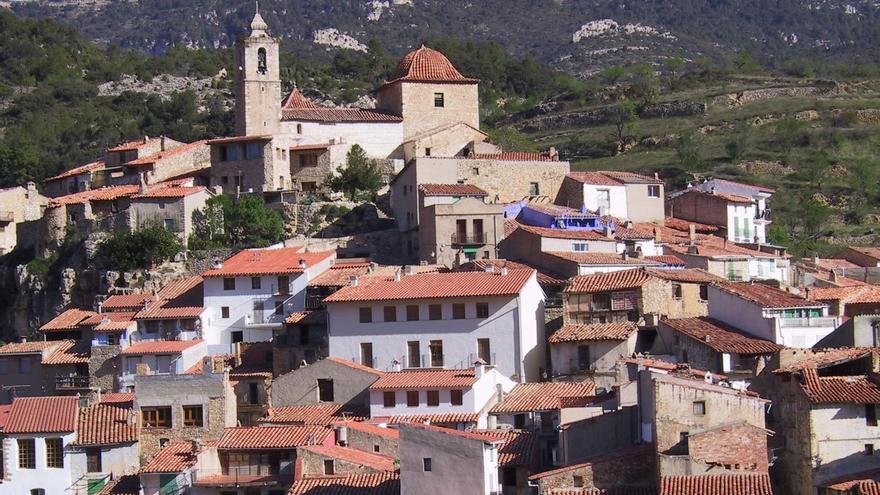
(71, 381)
(762, 214)
(469, 239)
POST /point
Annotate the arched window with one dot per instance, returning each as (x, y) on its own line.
(261, 61)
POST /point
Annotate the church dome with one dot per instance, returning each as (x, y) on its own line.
(258, 25)
(427, 65)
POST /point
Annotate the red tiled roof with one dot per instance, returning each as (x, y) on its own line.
(759, 188)
(721, 337)
(102, 194)
(115, 325)
(42, 415)
(174, 457)
(28, 347)
(159, 347)
(309, 316)
(179, 287)
(296, 100)
(105, 318)
(435, 419)
(68, 320)
(127, 484)
(829, 357)
(130, 145)
(370, 428)
(544, 277)
(456, 433)
(425, 378)
(865, 483)
(70, 352)
(427, 65)
(88, 167)
(127, 301)
(324, 414)
(349, 484)
(544, 396)
(117, 398)
(4, 415)
(436, 285)
(730, 198)
(596, 178)
(451, 190)
(612, 178)
(514, 156)
(642, 450)
(103, 424)
(168, 192)
(684, 225)
(161, 155)
(352, 364)
(586, 235)
(600, 258)
(833, 263)
(595, 331)
(608, 281)
(163, 312)
(370, 460)
(658, 364)
(239, 139)
(310, 147)
(765, 296)
(717, 484)
(339, 275)
(272, 437)
(634, 233)
(559, 210)
(252, 262)
(840, 389)
(520, 447)
(339, 114)
(255, 360)
(685, 275)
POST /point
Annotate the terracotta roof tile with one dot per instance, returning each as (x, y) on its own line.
(103, 194)
(552, 233)
(127, 484)
(370, 460)
(163, 312)
(4, 415)
(637, 451)
(108, 316)
(840, 389)
(28, 347)
(240, 139)
(434, 419)
(520, 448)
(88, 167)
(451, 190)
(42, 415)
(600, 258)
(168, 192)
(615, 490)
(596, 178)
(685, 275)
(755, 186)
(482, 437)
(684, 225)
(70, 352)
(127, 301)
(68, 320)
(339, 274)
(325, 414)
(309, 316)
(717, 484)
(338, 114)
(297, 101)
(168, 153)
(352, 364)
(130, 145)
(720, 337)
(544, 396)
(427, 65)
(634, 233)
(667, 259)
(514, 156)
(828, 357)
(159, 347)
(179, 286)
(252, 262)
(658, 364)
(609, 281)
(544, 277)
(272, 437)
(436, 285)
(594, 331)
(425, 378)
(765, 296)
(370, 429)
(351, 484)
(117, 398)
(612, 178)
(864, 482)
(105, 424)
(730, 198)
(174, 457)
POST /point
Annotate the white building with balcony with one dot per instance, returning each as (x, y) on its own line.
(441, 320)
(160, 357)
(438, 395)
(771, 314)
(250, 294)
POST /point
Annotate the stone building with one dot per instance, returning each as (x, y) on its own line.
(169, 207)
(332, 460)
(591, 350)
(183, 407)
(18, 205)
(330, 380)
(630, 470)
(88, 176)
(257, 82)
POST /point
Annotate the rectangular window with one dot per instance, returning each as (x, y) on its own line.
(279, 307)
(577, 481)
(704, 292)
(256, 282)
(534, 189)
(458, 311)
(412, 398)
(736, 232)
(584, 362)
(54, 453)
(412, 312)
(413, 352)
(24, 365)
(253, 151)
(871, 414)
(366, 315)
(93, 460)
(27, 457)
(228, 283)
(439, 100)
(284, 285)
(869, 449)
(436, 349)
(482, 310)
(367, 354)
(389, 313)
(156, 417)
(426, 464)
(389, 399)
(325, 389)
(433, 398)
(435, 312)
(329, 467)
(456, 397)
(700, 408)
(580, 247)
(676, 290)
(192, 416)
(484, 350)
(653, 191)
(237, 336)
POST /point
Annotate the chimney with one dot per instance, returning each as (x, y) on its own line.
(692, 249)
(489, 268)
(692, 233)
(302, 263)
(397, 275)
(657, 235)
(407, 269)
(237, 352)
(553, 153)
(142, 185)
(353, 280)
(142, 369)
(707, 338)
(479, 368)
(832, 276)
(656, 175)
(628, 224)
(372, 267)
(504, 271)
(162, 143)
(816, 260)
(395, 365)
(608, 233)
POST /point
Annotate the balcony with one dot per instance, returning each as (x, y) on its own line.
(264, 319)
(71, 382)
(809, 322)
(762, 216)
(466, 239)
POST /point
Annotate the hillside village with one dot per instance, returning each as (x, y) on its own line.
(502, 324)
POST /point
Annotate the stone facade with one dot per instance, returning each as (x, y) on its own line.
(253, 164)
(257, 83)
(300, 387)
(654, 297)
(507, 181)
(439, 237)
(367, 442)
(313, 464)
(415, 102)
(633, 467)
(175, 214)
(18, 205)
(104, 367)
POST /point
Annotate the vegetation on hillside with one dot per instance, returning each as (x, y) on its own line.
(241, 222)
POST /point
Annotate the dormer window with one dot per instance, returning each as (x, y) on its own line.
(261, 61)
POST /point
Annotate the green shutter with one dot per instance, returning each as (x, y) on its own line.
(736, 228)
(167, 484)
(94, 486)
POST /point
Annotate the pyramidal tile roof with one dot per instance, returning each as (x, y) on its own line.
(42, 415)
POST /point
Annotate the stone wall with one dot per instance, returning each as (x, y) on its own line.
(607, 432)
(507, 181)
(367, 442)
(313, 464)
(634, 470)
(104, 367)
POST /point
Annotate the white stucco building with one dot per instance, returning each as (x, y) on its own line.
(624, 195)
(250, 294)
(771, 314)
(442, 320)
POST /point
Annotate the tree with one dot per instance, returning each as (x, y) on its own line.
(143, 248)
(208, 225)
(644, 85)
(812, 166)
(689, 149)
(674, 66)
(243, 222)
(624, 118)
(360, 174)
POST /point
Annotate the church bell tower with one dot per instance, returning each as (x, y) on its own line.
(257, 82)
